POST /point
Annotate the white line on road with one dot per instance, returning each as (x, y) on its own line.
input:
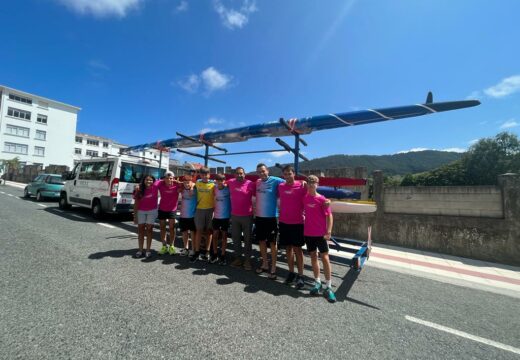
(78, 217)
(10, 195)
(1, 192)
(464, 335)
(41, 205)
(106, 225)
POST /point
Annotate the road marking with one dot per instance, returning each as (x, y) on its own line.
(41, 205)
(1, 192)
(78, 217)
(10, 195)
(106, 225)
(464, 335)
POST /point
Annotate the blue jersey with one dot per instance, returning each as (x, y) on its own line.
(188, 202)
(222, 203)
(267, 196)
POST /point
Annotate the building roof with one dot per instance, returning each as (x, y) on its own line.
(39, 97)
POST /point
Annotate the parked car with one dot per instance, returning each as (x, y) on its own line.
(44, 186)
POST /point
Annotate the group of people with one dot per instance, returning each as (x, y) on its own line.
(208, 207)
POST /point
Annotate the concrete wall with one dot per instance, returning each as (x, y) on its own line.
(482, 235)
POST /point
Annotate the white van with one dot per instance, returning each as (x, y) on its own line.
(106, 185)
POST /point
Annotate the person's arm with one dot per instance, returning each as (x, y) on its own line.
(329, 226)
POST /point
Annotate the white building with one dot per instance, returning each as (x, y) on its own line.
(88, 146)
(35, 129)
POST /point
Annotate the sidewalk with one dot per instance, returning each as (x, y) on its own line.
(503, 279)
(14, 184)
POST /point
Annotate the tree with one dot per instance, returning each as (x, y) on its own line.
(10, 165)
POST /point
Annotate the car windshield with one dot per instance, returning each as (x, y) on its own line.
(133, 173)
(56, 180)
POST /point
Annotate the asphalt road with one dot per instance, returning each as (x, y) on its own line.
(71, 289)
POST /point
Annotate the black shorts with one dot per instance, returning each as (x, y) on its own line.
(186, 224)
(165, 215)
(317, 242)
(266, 229)
(220, 224)
(291, 235)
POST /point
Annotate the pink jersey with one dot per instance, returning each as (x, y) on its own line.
(291, 202)
(315, 215)
(169, 196)
(149, 200)
(241, 194)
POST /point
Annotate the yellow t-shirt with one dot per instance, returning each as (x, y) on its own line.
(205, 197)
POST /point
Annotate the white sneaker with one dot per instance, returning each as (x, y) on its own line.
(184, 252)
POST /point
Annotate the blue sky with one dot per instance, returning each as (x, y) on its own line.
(143, 69)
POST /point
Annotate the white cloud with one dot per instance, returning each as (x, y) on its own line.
(506, 87)
(102, 8)
(214, 121)
(183, 6)
(232, 18)
(98, 65)
(453, 149)
(214, 80)
(190, 84)
(472, 142)
(211, 79)
(509, 124)
(279, 154)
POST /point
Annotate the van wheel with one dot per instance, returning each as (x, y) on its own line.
(39, 196)
(64, 204)
(97, 211)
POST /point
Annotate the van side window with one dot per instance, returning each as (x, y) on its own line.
(85, 172)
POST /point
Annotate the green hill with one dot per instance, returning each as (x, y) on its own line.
(397, 164)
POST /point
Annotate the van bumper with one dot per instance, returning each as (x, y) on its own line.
(110, 205)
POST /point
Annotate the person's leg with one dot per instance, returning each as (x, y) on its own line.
(290, 258)
(247, 228)
(223, 245)
(263, 254)
(171, 223)
(236, 234)
(149, 233)
(299, 259)
(315, 266)
(162, 224)
(274, 254)
(326, 268)
(140, 236)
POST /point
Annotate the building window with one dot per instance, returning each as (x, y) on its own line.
(79, 139)
(92, 153)
(105, 144)
(20, 99)
(41, 135)
(15, 148)
(92, 142)
(17, 113)
(39, 151)
(17, 130)
(41, 119)
(77, 151)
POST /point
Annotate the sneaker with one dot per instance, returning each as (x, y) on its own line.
(290, 278)
(316, 288)
(213, 259)
(300, 284)
(192, 252)
(164, 250)
(194, 257)
(247, 265)
(172, 250)
(148, 254)
(329, 295)
(138, 254)
(237, 262)
(204, 257)
(184, 252)
(222, 260)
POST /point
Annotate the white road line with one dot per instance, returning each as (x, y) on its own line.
(464, 335)
(41, 205)
(106, 225)
(1, 192)
(78, 217)
(10, 195)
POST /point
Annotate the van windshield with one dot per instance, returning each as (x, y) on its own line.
(133, 173)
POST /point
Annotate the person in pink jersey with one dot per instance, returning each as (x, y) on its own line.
(290, 223)
(146, 197)
(317, 231)
(241, 192)
(169, 190)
